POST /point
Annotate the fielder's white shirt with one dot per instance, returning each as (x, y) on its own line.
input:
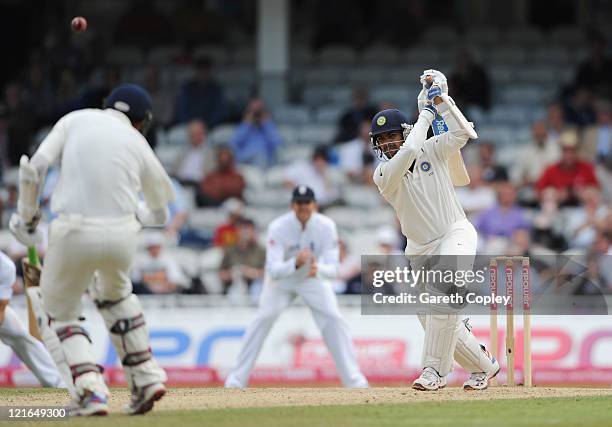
(424, 199)
(105, 163)
(286, 237)
(7, 277)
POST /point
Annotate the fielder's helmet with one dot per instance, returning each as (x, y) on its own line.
(133, 101)
(386, 121)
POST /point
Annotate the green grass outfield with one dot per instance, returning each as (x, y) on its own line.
(572, 411)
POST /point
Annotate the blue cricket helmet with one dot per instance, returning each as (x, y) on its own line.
(133, 101)
(386, 121)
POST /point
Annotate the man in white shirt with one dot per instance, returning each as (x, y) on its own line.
(14, 334)
(105, 163)
(414, 178)
(301, 259)
(199, 159)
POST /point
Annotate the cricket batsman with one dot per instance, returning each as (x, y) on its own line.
(14, 334)
(302, 256)
(105, 163)
(415, 179)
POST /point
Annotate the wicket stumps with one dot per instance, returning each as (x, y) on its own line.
(508, 263)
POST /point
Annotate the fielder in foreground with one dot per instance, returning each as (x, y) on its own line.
(14, 334)
(301, 258)
(414, 178)
(105, 163)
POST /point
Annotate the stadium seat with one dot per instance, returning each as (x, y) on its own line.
(339, 55)
(507, 115)
(502, 74)
(482, 36)
(361, 196)
(206, 218)
(316, 135)
(510, 54)
(123, 55)
(422, 55)
(210, 259)
(379, 54)
(326, 74)
(253, 175)
(291, 153)
(367, 76)
(288, 133)
(526, 36)
(243, 56)
(302, 56)
(397, 94)
(292, 114)
(551, 56)
(217, 54)
(567, 36)
(163, 54)
(328, 114)
(177, 135)
(263, 216)
(187, 259)
(523, 94)
(222, 134)
(268, 197)
(169, 154)
(5, 239)
(440, 35)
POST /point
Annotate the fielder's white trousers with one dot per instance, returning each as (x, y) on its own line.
(29, 350)
(320, 298)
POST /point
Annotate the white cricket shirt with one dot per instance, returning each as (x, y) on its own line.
(105, 163)
(424, 199)
(286, 237)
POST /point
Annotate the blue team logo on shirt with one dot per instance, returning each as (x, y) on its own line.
(425, 166)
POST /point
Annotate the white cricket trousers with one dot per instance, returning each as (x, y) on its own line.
(77, 248)
(447, 338)
(320, 298)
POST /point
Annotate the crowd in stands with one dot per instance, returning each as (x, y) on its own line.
(550, 194)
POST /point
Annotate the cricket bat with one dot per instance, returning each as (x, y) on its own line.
(31, 277)
(456, 165)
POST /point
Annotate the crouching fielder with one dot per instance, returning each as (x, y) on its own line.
(105, 163)
(301, 258)
(415, 179)
(14, 334)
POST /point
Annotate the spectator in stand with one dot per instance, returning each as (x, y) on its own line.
(535, 156)
(244, 261)
(350, 120)
(319, 175)
(202, 97)
(478, 195)
(555, 121)
(199, 159)
(594, 73)
(504, 218)
(356, 157)
(583, 222)
(570, 174)
(161, 96)
(349, 271)
(177, 229)
(597, 147)
(548, 224)
(226, 234)
(155, 272)
(256, 140)
(597, 141)
(579, 108)
(39, 95)
(470, 82)
(491, 171)
(223, 182)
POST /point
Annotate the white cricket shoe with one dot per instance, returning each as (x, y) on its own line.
(429, 380)
(480, 380)
(144, 398)
(232, 382)
(91, 404)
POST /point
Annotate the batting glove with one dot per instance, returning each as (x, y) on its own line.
(26, 233)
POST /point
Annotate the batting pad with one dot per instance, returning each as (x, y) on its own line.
(469, 354)
(441, 335)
